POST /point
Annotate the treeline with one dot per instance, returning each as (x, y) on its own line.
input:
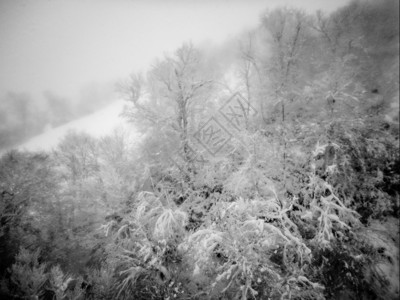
(260, 174)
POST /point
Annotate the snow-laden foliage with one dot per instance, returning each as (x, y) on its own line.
(300, 202)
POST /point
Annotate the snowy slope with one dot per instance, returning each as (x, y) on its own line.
(98, 124)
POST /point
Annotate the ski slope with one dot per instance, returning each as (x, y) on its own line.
(97, 124)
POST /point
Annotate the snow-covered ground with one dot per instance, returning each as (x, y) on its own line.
(97, 124)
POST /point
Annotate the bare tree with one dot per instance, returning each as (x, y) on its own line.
(249, 62)
(164, 100)
(287, 28)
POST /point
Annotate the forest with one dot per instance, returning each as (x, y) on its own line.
(267, 168)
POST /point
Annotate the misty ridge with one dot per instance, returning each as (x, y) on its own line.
(24, 116)
(263, 166)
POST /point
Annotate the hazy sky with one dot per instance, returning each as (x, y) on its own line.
(61, 45)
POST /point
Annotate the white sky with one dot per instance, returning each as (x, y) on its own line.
(62, 45)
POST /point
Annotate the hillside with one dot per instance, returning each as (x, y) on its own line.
(97, 124)
(267, 168)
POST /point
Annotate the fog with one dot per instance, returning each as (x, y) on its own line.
(61, 52)
(63, 45)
